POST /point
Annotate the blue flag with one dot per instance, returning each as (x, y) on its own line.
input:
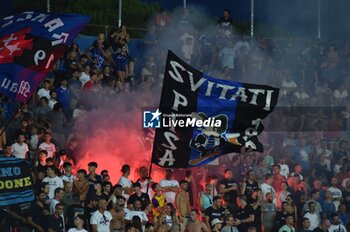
(201, 117)
(30, 44)
(16, 184)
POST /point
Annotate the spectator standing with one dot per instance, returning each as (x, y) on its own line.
(268, 212)
(229, 188)
(101, 218)
(195, 225)
(56, 222)
(169, 186)
(59, 193)
(139, 195)
(226, 21)
(206, 198)
(53, 180)
(48, 146)
(20, 149)
(289, 226)
(216, 211)
(311, 215)
(245, 215)
(78, 223)
(183, 207)
(125, 182)
(64, 94)
(229, 224)
(81, 185)
(266, 187)
(336, 225)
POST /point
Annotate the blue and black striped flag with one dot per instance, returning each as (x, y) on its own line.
(201, 117)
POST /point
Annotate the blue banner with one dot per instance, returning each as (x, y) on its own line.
(30, 44)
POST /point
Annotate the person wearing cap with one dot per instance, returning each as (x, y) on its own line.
(216, 225)
(90, 208)
(169, 186)
(194, 224)
(79, 223)
(139, 195)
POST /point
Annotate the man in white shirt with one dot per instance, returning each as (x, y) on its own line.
(45, 91)
(125, 182)
(137, 212)
(52, 99)
(267, 188)
(59, 193)
(85, 75)
(53, 180)
(312, 216)
(48, 146)
(101, 219)
(284, 171)
(336, 192)
(336, 225)
(169, 186)
(20, 148)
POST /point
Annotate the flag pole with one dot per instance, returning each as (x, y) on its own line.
(9, 122)
(149, 177)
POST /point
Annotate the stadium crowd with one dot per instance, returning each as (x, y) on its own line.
(300, 183)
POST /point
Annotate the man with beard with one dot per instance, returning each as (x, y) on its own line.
(228, 187)
(268, 212)
(245, 216)
(145, 181)
(214, 211)
(40, 212)
(195, 225)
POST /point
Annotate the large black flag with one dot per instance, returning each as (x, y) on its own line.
(201, 117)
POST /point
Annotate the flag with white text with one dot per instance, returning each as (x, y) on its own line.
(30, 44)
(201, 117)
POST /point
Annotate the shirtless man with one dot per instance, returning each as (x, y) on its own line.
(183, 206)
(194, 225)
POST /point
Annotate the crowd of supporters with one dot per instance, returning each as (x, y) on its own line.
(300, 183)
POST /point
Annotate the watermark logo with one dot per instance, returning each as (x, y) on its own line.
(156, 119)
(152, 119)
